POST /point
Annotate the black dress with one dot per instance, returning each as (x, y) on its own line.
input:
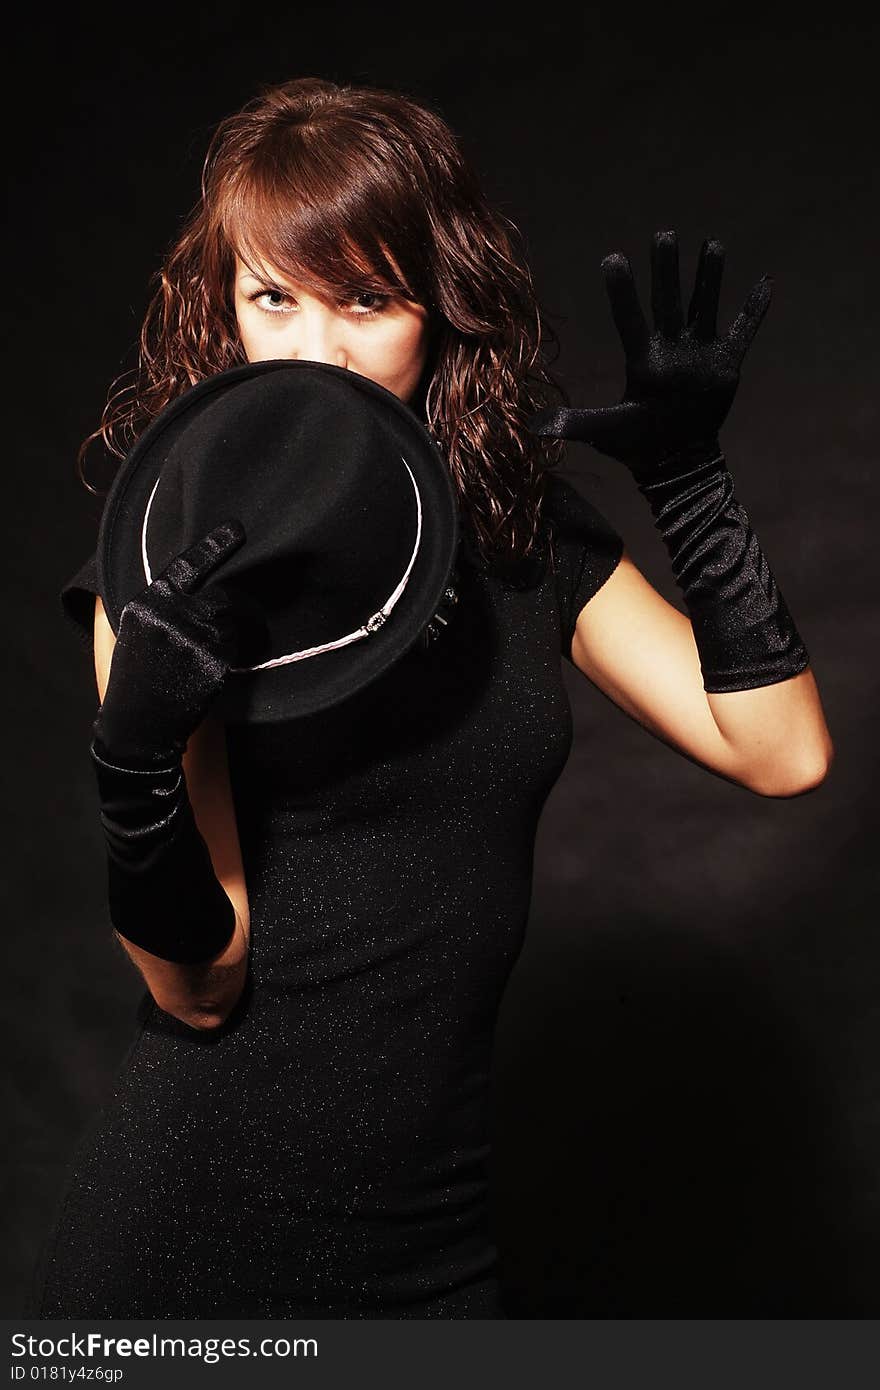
(324, 1154)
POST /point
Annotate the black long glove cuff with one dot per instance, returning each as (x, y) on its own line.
(745, 634)
(162, 891)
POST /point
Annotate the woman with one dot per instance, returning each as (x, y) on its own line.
(287, 1137)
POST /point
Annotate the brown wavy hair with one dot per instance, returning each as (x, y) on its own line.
(352, 188)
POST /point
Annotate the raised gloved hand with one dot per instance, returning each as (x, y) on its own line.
(176, 643)
(680, 383)
(680, 379)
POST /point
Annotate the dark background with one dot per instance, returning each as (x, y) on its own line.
(688, 1092)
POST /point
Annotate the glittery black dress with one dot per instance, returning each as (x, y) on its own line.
(325, 1153)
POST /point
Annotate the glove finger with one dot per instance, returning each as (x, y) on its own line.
(596, 427)
(665, 284)
(550, 423)
(703, 310)
(188, 570)
(750, 317)
(625, 307)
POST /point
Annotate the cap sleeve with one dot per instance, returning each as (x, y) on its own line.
(586, 550)
(78, 600)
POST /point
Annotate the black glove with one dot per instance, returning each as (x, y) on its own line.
(176, 642)
(175, 645)
(680, 383)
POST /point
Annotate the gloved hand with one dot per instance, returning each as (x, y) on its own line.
(680, 384)
(176, 642)
(680, 379)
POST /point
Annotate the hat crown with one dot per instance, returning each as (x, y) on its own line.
(316, 478)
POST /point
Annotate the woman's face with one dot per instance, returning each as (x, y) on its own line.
(382, 337)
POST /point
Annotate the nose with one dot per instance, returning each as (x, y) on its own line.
(321, 337)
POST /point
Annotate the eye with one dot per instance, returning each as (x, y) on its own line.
(362, 304)
(271, 308)
(366, 303)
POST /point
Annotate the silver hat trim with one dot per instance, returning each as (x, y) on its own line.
(369, 627)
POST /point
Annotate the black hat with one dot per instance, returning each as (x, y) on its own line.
(349, 513)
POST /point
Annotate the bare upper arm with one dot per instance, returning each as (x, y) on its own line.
(640, 651)
(206, 770)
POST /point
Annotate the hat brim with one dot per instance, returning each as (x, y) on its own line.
(305, 686)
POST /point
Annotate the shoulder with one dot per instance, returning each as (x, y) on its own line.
(570, 514)
(572, 534)
(78, 599)
(586, 550)
(580, 534)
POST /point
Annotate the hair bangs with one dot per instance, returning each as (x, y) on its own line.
(319, 231)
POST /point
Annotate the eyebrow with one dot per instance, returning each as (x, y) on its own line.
(263, 280)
